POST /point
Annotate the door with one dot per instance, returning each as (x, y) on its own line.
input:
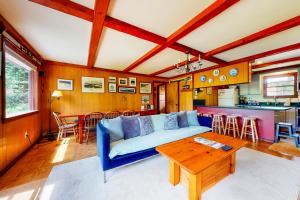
(162, 98)
(172, 97)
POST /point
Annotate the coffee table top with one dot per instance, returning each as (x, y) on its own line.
(195, 157)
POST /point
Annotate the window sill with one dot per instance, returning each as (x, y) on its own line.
(25, 114)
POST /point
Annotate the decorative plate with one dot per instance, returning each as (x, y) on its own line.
(203, 78)
(222, 78)
(210, 80)
(233, 72)
(216, 72)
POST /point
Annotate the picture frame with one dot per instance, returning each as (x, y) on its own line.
(128, 90)
(112, 79)
(64, 84)
(123, 81)
(145, 99)
(132, 81)
(92, 85)
(112, 87)
(145, 88)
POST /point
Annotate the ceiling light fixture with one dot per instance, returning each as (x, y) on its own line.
(189, 65)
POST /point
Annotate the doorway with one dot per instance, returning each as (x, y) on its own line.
(162, 98)
(172, 97)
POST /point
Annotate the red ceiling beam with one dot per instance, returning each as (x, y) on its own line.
(213, 10)
(68, 7)
(275, 69)
(100, 10)
(276, 62)
(256, 36)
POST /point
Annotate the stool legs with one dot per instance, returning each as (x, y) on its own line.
(232, 125)
(218, 124)
(249, 128)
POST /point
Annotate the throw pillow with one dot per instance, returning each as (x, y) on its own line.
(146, 125)
(182, 119)
(131, 126)
(115, 128)
(171, 122)
(158, 122)
(192, 118)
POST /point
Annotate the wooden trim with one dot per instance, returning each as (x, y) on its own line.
(213, 10)
(25, 114)
(281, 75)
(276, 62)
(101, 7)
(256, 36)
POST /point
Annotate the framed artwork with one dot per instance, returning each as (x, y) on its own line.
(132, 82)
(123, 81)
(64, 84)
(112, 87)
(129, 90)
(92, 85)
(145, 88)
(145, 99)
(112, 79)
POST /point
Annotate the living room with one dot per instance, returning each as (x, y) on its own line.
(167, 99)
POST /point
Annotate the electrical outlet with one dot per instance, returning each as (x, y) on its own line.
(26, 135)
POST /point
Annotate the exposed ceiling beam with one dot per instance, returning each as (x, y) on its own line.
(100, 10)
(256, 36)
(275, 69)
(68, 7)
(268, 53)
(276, 62)
(213, 10)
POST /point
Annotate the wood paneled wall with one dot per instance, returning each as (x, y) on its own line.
(75, 101)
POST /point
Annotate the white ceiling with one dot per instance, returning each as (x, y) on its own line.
(87, 3)
(278, 66)
(281, 56)
(118, 50)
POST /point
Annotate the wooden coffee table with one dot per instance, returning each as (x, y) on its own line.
(200, 166)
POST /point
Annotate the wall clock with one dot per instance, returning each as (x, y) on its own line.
(203, 78)
(222, 78)
(216, 72)
(233, 72)
(210, 80)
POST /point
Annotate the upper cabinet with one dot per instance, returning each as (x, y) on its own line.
(228, 75)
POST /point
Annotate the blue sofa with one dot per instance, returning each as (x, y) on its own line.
(104, 148)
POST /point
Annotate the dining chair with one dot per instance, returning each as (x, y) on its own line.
(90, 123)
(129, 113)
(111, 115)
(64, 127)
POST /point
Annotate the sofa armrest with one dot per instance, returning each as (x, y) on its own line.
(103, 145)
(205, 121)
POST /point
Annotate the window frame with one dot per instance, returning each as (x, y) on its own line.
(8, 46)
(294, 74)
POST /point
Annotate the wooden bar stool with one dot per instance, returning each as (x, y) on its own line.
(249, 128)
(232, 125)
(218, 123)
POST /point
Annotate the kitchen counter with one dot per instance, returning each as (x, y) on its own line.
(273, 108)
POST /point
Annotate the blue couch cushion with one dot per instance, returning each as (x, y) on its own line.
(131, 126)
(146, 125)
(192, 118)
(158, 121)
(171, 122)
(182, 119)
(114, 127)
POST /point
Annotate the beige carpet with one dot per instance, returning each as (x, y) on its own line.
(287, 148)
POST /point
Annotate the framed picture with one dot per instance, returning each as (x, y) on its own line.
(112, 87)
(123, 81)
(145, 99)
(92, 85)
(112, 79)
(132, 82)
(64, 84)
(145, 88)
(130, 90)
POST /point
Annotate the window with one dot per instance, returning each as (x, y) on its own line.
(20, 85)
(284, 85)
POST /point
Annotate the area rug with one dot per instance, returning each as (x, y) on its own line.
(258, 176)
(287, 148)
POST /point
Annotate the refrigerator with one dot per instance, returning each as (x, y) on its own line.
(228, 97)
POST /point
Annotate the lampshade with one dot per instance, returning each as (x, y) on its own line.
(56, 93)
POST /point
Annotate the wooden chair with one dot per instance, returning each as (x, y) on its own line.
(129, 113)
(111, 115)
(90, 123)
(64, 127)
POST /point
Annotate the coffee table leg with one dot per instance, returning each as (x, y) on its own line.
(174, 173)
(195, 186)
(232, 163)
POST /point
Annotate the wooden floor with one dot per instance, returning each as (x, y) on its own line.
(38, 162)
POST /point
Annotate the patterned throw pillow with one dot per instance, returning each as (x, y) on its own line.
(182, 119)
(131, 126)
(171, 122)
(146, 125)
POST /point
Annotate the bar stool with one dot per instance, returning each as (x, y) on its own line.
(232, 125)
(249, 128)
(289, 134)
(218, 123)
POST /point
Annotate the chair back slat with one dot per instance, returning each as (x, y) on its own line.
(111, 115)
(57, 119)
(92, 119)
(129, 113)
